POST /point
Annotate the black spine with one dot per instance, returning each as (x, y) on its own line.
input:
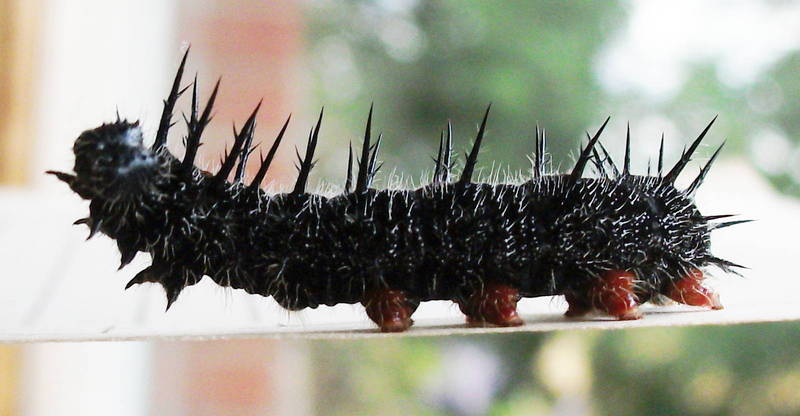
(196, 125)
(307, 163)
(169, 106)
(586, 154)
(363, 163)
(262, 170)
(687, 155)
(472, 158)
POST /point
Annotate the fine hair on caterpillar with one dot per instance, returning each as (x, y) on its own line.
(607, 243)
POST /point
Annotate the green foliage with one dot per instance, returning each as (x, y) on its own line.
(441, 60)
(774, 101)
(741, 370)
(745, 369)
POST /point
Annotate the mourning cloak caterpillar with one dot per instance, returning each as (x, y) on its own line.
(607, 243)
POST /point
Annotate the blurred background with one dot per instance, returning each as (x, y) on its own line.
(666, 66)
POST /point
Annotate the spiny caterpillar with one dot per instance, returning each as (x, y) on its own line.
(607, 243)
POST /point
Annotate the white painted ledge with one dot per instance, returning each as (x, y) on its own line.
(671, 316)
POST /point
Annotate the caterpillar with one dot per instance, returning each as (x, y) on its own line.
(608, 242)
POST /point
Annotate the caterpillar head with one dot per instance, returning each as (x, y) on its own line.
(110, 162)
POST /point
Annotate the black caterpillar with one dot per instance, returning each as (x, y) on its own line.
(607, 243)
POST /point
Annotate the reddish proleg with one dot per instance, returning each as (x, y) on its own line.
(390, 309)
(690, 291)
(495, 304)
(611, 293)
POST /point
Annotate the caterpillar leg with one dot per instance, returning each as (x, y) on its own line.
(690, 291)
(390, 309)
(612, 293)
(496, 305)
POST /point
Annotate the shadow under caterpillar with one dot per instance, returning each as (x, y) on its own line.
(607, 243)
